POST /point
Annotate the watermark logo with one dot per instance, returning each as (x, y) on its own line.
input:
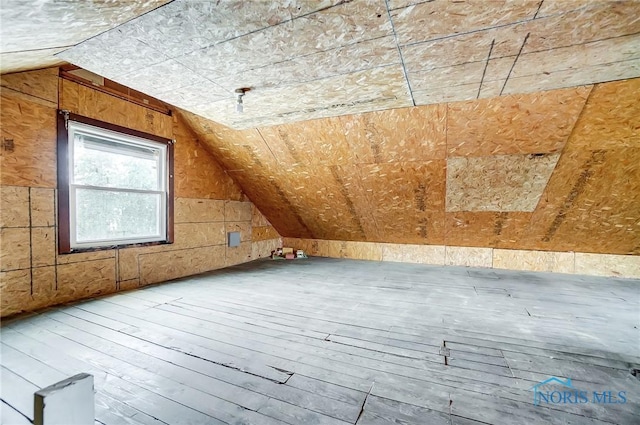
(561, 391)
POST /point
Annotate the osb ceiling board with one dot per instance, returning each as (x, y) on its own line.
(407, 134)
(308, 60)
(373, 53)
(515, 124)
(313, 201)
(486, 228)
(617, 103)
(316, 141)
(415, 188)
(319, 196)
(592, 203)
(569, 66)
(427, 83)
(598, 21)
(247, 159)
(498, 183)
(360, 91)
(203, 24)
(416, 23)
(548, 8)
(465, 48)
(330, 28)
(302, 59)
(534, 46)
(357, 202)
(241, 150)
(28, 60)
(273, 203)
(483, 173)
(200, 175)
(571, 77)
(31, 33)
(167, 76)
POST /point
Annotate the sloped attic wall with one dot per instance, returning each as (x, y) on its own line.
(550, 171)
(208, 203)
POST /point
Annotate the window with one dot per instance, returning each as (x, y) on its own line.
(115, 185)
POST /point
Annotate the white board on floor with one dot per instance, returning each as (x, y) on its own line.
(68, 402)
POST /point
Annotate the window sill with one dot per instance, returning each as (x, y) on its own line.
(110, 247)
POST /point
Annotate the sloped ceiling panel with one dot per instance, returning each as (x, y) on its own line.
(515, 46)
(301, 58)
(489, 172)
(32, 32)
(316, 59)
(593, 196)
(502, 183)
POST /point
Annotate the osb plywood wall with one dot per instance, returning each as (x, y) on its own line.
(626, 266)
(208, 203)
(549, 171)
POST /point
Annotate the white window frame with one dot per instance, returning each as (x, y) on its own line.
(74, 127)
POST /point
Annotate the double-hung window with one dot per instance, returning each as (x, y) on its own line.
(114, 186)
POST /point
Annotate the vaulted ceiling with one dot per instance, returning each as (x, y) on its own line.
(557, 170)
(469, 123)
(32, 32)
(306, 59)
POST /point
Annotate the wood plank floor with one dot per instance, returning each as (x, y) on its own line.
(335, 342)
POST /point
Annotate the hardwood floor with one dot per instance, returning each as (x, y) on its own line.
(335, 342)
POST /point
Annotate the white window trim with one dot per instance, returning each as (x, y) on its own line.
(72, 127)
